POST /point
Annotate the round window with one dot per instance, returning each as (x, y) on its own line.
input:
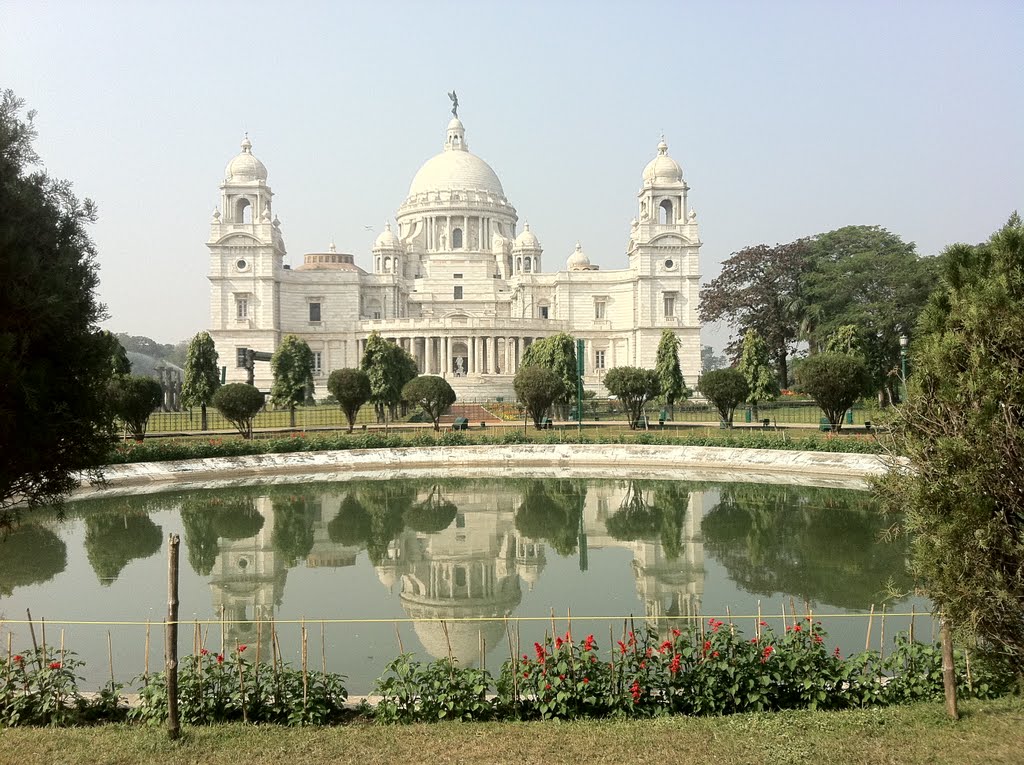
(241, 264)
(669, 264)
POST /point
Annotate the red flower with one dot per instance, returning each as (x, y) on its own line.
(796, 628)
(541, 653)
(665, 646)
(593, 659)
(203, 651)
(558, 642)
(586, 680)
(242, 647)
(547, 687)
(588, 644)
(674, 666)
(19, 659)
(714, 655)
(561, 677)
(676, 633)
(54, 665)
(707, 646)
(622, 645)
(763, 624)
(220, 658)
(836, 652)
(526, 674)
(643, 665)
(635, 690)
(818, 639)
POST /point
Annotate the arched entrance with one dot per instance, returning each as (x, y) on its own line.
(459, 362)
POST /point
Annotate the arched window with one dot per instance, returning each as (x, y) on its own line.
(536, 264)
(243, 211)
(510, 264)
(519, 265)
(527, 263)
(395, 264)
(456, 238)
(665, 212)
(378, 265)
(387, 264)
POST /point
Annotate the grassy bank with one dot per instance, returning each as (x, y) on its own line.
(989, 732)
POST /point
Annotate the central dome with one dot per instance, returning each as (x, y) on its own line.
(455, 168)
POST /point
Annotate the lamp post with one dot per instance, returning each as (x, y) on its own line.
(903, 368)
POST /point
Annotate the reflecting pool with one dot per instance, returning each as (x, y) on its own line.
(461, 550)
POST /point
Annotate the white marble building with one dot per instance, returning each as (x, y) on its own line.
(455, 282)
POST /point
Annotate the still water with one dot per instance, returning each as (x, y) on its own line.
(453, 549)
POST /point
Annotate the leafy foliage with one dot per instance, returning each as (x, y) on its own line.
(552, 511)
(202, 377)
(962, 428)
(389, 368)
(30, 554)
(133, 399)
(756, 369)
(113, 540)
(725, 389)
(351, 389)
(537, 388)
(670, 376)
(652, 511)
(633, 387)
(413, 691)
(54, 362)
(431, 394)
(239, 403)
(835, 381)
(557, 353)
(292, 366)
(119, 363)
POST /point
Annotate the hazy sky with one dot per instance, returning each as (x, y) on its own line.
(789, 119)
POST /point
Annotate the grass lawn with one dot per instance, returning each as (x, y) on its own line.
(989, 732)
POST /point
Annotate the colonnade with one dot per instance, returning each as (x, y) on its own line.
(465, 354)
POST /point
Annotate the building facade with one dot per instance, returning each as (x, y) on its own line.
(456, 282)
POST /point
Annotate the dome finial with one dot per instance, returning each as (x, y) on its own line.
(662, 146)
(246, 143)
(332, 247)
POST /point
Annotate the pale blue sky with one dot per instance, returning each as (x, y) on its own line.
(789, 119)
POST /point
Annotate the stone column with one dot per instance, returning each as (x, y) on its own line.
(471, 352)
(446, 354)
(494, 354)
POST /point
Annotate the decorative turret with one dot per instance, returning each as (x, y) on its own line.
(526, 252)
(387, 252)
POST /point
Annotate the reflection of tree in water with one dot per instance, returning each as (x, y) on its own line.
(294, 516)
(374, 515)
(208, 518)
(818, 544)
(114, 539)
(352, 525)
(30, 554)
(432, 515)
(659, 518)
(551, 510)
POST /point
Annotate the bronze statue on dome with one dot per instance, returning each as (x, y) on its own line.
(455, 104)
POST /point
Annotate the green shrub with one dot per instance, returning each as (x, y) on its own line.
(133, 399)
(239, 403)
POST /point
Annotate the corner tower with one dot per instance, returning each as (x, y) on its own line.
(246, 259)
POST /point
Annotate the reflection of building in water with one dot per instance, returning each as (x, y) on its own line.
(668, 587)
(471, 569)
(248, 580)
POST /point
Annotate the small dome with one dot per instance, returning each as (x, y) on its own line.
(527, 240)
(663, 169)
(245, 167)
(387, 239)
(578, 261)
(456, 124)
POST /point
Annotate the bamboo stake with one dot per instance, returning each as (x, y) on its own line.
(480, 646)
(145, 671)
(323, 648)
(42, 622)
(110, 656)
(867, 638)
(32, 632)
(451, 657)
(305, 671)
(784, 616)
(728, 615)
(274, 648)
(913, 615)
(10, 653)
(792, 610)
(62, 647)
(967, 662)
(398, 634)
(757, 627)
(241, 690)
(256, 664)
(948, 676)
(881, 639)
(514, 665)
(222, 629)
(171, 644)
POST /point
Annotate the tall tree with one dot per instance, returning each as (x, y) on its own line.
(725, 389)
(389, 369)
(133, 399)
(202, 378)
(710, 361)
(536, 388)
(54, 362)
(292, 366)
(760, 288)
(557, 353)
(757, 370)
(119, 363)
(670, 376)
(962, 430)
(870, 279)
(835, 381)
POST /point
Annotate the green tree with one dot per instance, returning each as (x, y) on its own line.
(389, 369)
(761, 288)
(292, 367)
(239, 403)
(962, 430)
(433, 515)
(552, 510)
(870, 279)
(202, 377)
(835, 381)
(432, 394)
(757, 371)
(30, 554)
(352, 525)
(633, 387)
(725, 389)
(557, 353)
(710, 361)
(54, 362)
(294, 516)
(119, 363)
(133, 399)
(670, 376)
(537, 388)
(113, 540)
(351, 389)
(652, 512)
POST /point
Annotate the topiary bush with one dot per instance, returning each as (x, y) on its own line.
(239, 403)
